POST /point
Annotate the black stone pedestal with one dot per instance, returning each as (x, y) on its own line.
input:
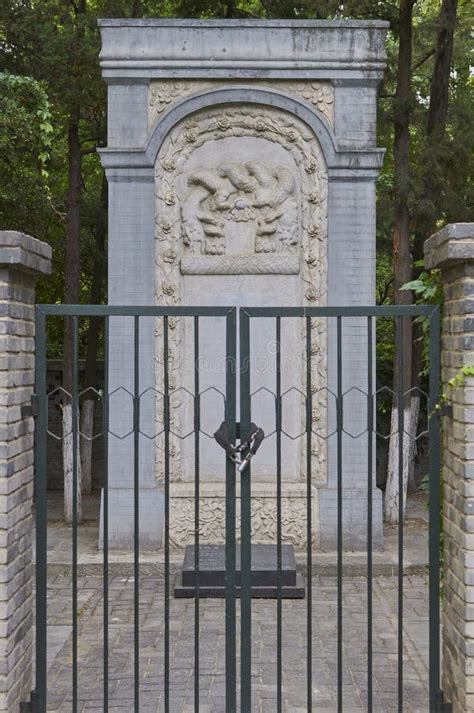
(264, 576)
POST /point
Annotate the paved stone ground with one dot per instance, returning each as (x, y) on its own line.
(212, 647)
(355, 563)
(212, 639)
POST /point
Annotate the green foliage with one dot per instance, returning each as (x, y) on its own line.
(49, 51)
(460, 378)
(427, 287)
(26, 136)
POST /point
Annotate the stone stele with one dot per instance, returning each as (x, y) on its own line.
(241, 162)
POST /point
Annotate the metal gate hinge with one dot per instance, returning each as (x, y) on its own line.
(440, 705)
(31, 409)
(446, 410)
(27, 707)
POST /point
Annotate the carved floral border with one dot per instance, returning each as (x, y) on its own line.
(294, 136)
(166, 92)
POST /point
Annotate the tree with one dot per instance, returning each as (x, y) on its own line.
(26, 129)
(435, 146)
(401, 260)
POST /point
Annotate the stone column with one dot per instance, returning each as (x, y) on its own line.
(131, 282)
(452, 251)
(22, 259)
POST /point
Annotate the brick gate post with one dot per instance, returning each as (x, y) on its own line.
(22, 259)
(452, 251)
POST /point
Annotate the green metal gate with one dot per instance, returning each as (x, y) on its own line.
(241, 382)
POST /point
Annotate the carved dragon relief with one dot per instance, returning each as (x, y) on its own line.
(240, 192)
(258, 186)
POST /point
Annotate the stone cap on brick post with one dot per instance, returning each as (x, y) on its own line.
(22, 259)
(452, 245)
(24, 253)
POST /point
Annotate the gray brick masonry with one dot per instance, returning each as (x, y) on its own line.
(22, 258)
(452, 251)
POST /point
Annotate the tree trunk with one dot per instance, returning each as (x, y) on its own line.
(72, 267)
(401, 243)
(417, 366)
(68, 450)
(439, 89)
(87, 433)
(411, 433)
(90, 383)
(433, 177)
(136, 8)
(432, 186)
(392, 490)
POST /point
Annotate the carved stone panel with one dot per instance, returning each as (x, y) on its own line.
(242, 193)
(212, 516)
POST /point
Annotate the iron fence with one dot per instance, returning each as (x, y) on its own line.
(238, 387)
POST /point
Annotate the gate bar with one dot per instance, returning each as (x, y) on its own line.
(105, 543)
(370, 434)
(41, 514)
(245, 494)
(230, 418)
(339, 513)
(309, 543)
(69, 310)
(357, 311)
(400, 398)
(166, 415)
(435, 509)
(75, 409)
(197, 431)
(278, 427)
(136, 509)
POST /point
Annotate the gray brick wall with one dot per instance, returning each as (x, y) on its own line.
(452, 250)
(21, 258)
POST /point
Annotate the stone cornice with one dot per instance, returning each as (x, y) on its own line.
(235, 49)
(346, 165)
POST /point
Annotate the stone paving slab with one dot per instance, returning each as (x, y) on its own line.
(212, 647)
(212, 638)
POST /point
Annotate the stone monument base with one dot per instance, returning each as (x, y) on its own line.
(211, 576)
(121, 518)
(354, 519)
(264, 520)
